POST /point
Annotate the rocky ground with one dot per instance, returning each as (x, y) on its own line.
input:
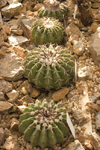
(81, 98)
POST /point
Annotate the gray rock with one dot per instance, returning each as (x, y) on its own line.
(26, 26)
(11, 10)
(78, 47)
(94, 47)
(13, 95)
(11, 67)
(98, 120)
(14, 1)
(5, 86)
(1, 136)
(14, 124)
(5, 106)
(17, 40)
(95, 141)
(2, 98)
(76, 145)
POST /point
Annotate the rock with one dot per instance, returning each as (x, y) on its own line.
(80, 117)
(5, 106)
(1, 21)
(1, 136)
(24, 91)
(3, 3)
(14, 1)
(35, 93)
(76, 145)
(26, 26)
(25, 100)
(88, 145)
(95, 5)
(27, 85)
(78, 47)
(83, 72)
(60, 94)
(95, 141)
(94, 47)
(14, 124)
(17, 32)
(5, 86)
(1, 54)
(93, 106)
(11, 10)
(72, 29)
(21, 52)
(17, 40)
(2, 98)
(37, 6)
(21, 108)
(98, 121)
(11, 67)
(13, 95)
(11, 143)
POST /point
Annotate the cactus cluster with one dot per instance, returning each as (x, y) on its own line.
(49, 67)
(44, 124)
(47, 30)
(52, 9)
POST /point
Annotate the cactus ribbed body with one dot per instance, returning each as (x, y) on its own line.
(55, 10)
(47, 30)
(49, 68)
(44, 124)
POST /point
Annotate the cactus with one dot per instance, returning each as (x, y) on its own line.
(47, 30)
(52, 9)
(44, 124)
(49, 67)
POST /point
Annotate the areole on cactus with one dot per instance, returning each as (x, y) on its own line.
(52, 8)
(47, 30)
(49, 67)
(44, 124)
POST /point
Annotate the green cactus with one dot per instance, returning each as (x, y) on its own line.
(49, 68)
(44, 124)
(47, 30)
(52, 9)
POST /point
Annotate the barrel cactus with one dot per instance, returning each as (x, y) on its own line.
(44, 124)
(49, 67)
(47, 30)
(52, 9)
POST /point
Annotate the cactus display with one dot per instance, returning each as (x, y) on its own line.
(52, 9)
(47, 30)
(44, 124)
(49, 67)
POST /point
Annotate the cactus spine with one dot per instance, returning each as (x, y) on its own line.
(47, 30)
(49, 68)
(52, 9)
(44, 124)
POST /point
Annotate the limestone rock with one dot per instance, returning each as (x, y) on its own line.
(1, 21)
(21, 52)
(17, 40)
(5, 86)
(1, 136)
(11, 67)
(60, 94)
(13, 95)
(98, 121)
(83, 72)
(11, 10)
(5, 106)
(93, 106)
(3, 3)
(76, 145)
(25, 100)
(94, 46)
(95, 141)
